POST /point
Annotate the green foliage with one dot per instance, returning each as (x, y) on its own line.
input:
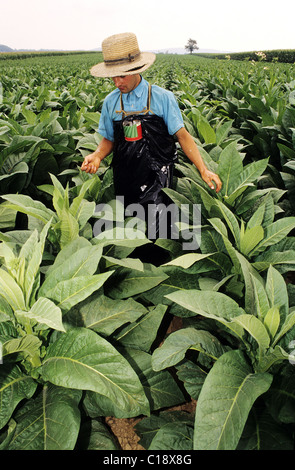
(83, 321)
(17, 55)
(275, 55)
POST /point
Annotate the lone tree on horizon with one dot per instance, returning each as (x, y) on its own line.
(191, 45)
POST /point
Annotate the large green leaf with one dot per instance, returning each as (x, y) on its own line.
(96, 435)
(178, 279)
(169, 430)
(19, 142)
(7, 216)
(14, 387)
(210, 304)
(105, 315)
(49, 422)
(207, 302)
(229, 168)
(274, 233)
(263, 432)
(259, 295)
(204, 128)
(220, 228)
(249, 174)
(276, 290)
(256, 329)
(83, 360)
(78, 258)
(11, 291)
(76, 206)
(286, 326)
(25, 204)
(28, 345)
(250, 239)
(160, 388)
(6, 312)
(69, 292)
(173, 437)
(129, 282)
(272, 321)
(254, 288)
(32, 252)
(132, 263)
(231, 220)
(225, 401)
(142, 333)
(268, 258)
(120, 237)
(45, 313)
(67, 226)
(69, 251)
(185, 261)
(176, 345)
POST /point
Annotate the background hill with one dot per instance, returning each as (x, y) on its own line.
(177, 50)
(4, 48)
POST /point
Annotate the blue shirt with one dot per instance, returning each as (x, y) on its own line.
(163, 104)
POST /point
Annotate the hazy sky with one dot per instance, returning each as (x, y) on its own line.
(225, 25)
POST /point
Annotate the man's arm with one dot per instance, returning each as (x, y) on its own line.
(191, 150)
(91, 162)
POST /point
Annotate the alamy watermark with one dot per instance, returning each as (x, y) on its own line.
(117, 221)
(1, 93)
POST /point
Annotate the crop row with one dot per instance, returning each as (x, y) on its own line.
(83, 320)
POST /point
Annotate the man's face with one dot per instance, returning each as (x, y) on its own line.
(126, 83)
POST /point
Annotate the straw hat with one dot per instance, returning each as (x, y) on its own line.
(122, 56)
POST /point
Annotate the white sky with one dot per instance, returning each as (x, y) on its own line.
(225, 25)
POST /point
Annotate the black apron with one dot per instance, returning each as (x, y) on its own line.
(143, 156)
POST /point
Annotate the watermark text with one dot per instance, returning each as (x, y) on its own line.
(117, 221)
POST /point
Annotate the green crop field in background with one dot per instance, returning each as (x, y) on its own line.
(83, 322)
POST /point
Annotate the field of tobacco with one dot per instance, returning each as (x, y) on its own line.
(84, 321)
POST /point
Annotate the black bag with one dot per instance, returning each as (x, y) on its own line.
(143, 167)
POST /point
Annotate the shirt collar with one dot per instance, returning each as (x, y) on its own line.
(140, 87)
(138, 91)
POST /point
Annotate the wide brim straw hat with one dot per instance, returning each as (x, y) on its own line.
(122, 56)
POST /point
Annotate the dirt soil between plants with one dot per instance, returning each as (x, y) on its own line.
(123, 429)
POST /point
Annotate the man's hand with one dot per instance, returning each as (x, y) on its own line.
(209, 177)
(91, 163)
(191, 150)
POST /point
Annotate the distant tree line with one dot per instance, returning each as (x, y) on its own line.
(277, 55)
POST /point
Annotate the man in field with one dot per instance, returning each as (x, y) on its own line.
(133, 113)
(140, 125)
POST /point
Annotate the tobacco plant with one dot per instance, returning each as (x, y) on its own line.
(245, 350)
(83, 321)
(63, 345)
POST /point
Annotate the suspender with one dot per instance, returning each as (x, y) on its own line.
(145, 110)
